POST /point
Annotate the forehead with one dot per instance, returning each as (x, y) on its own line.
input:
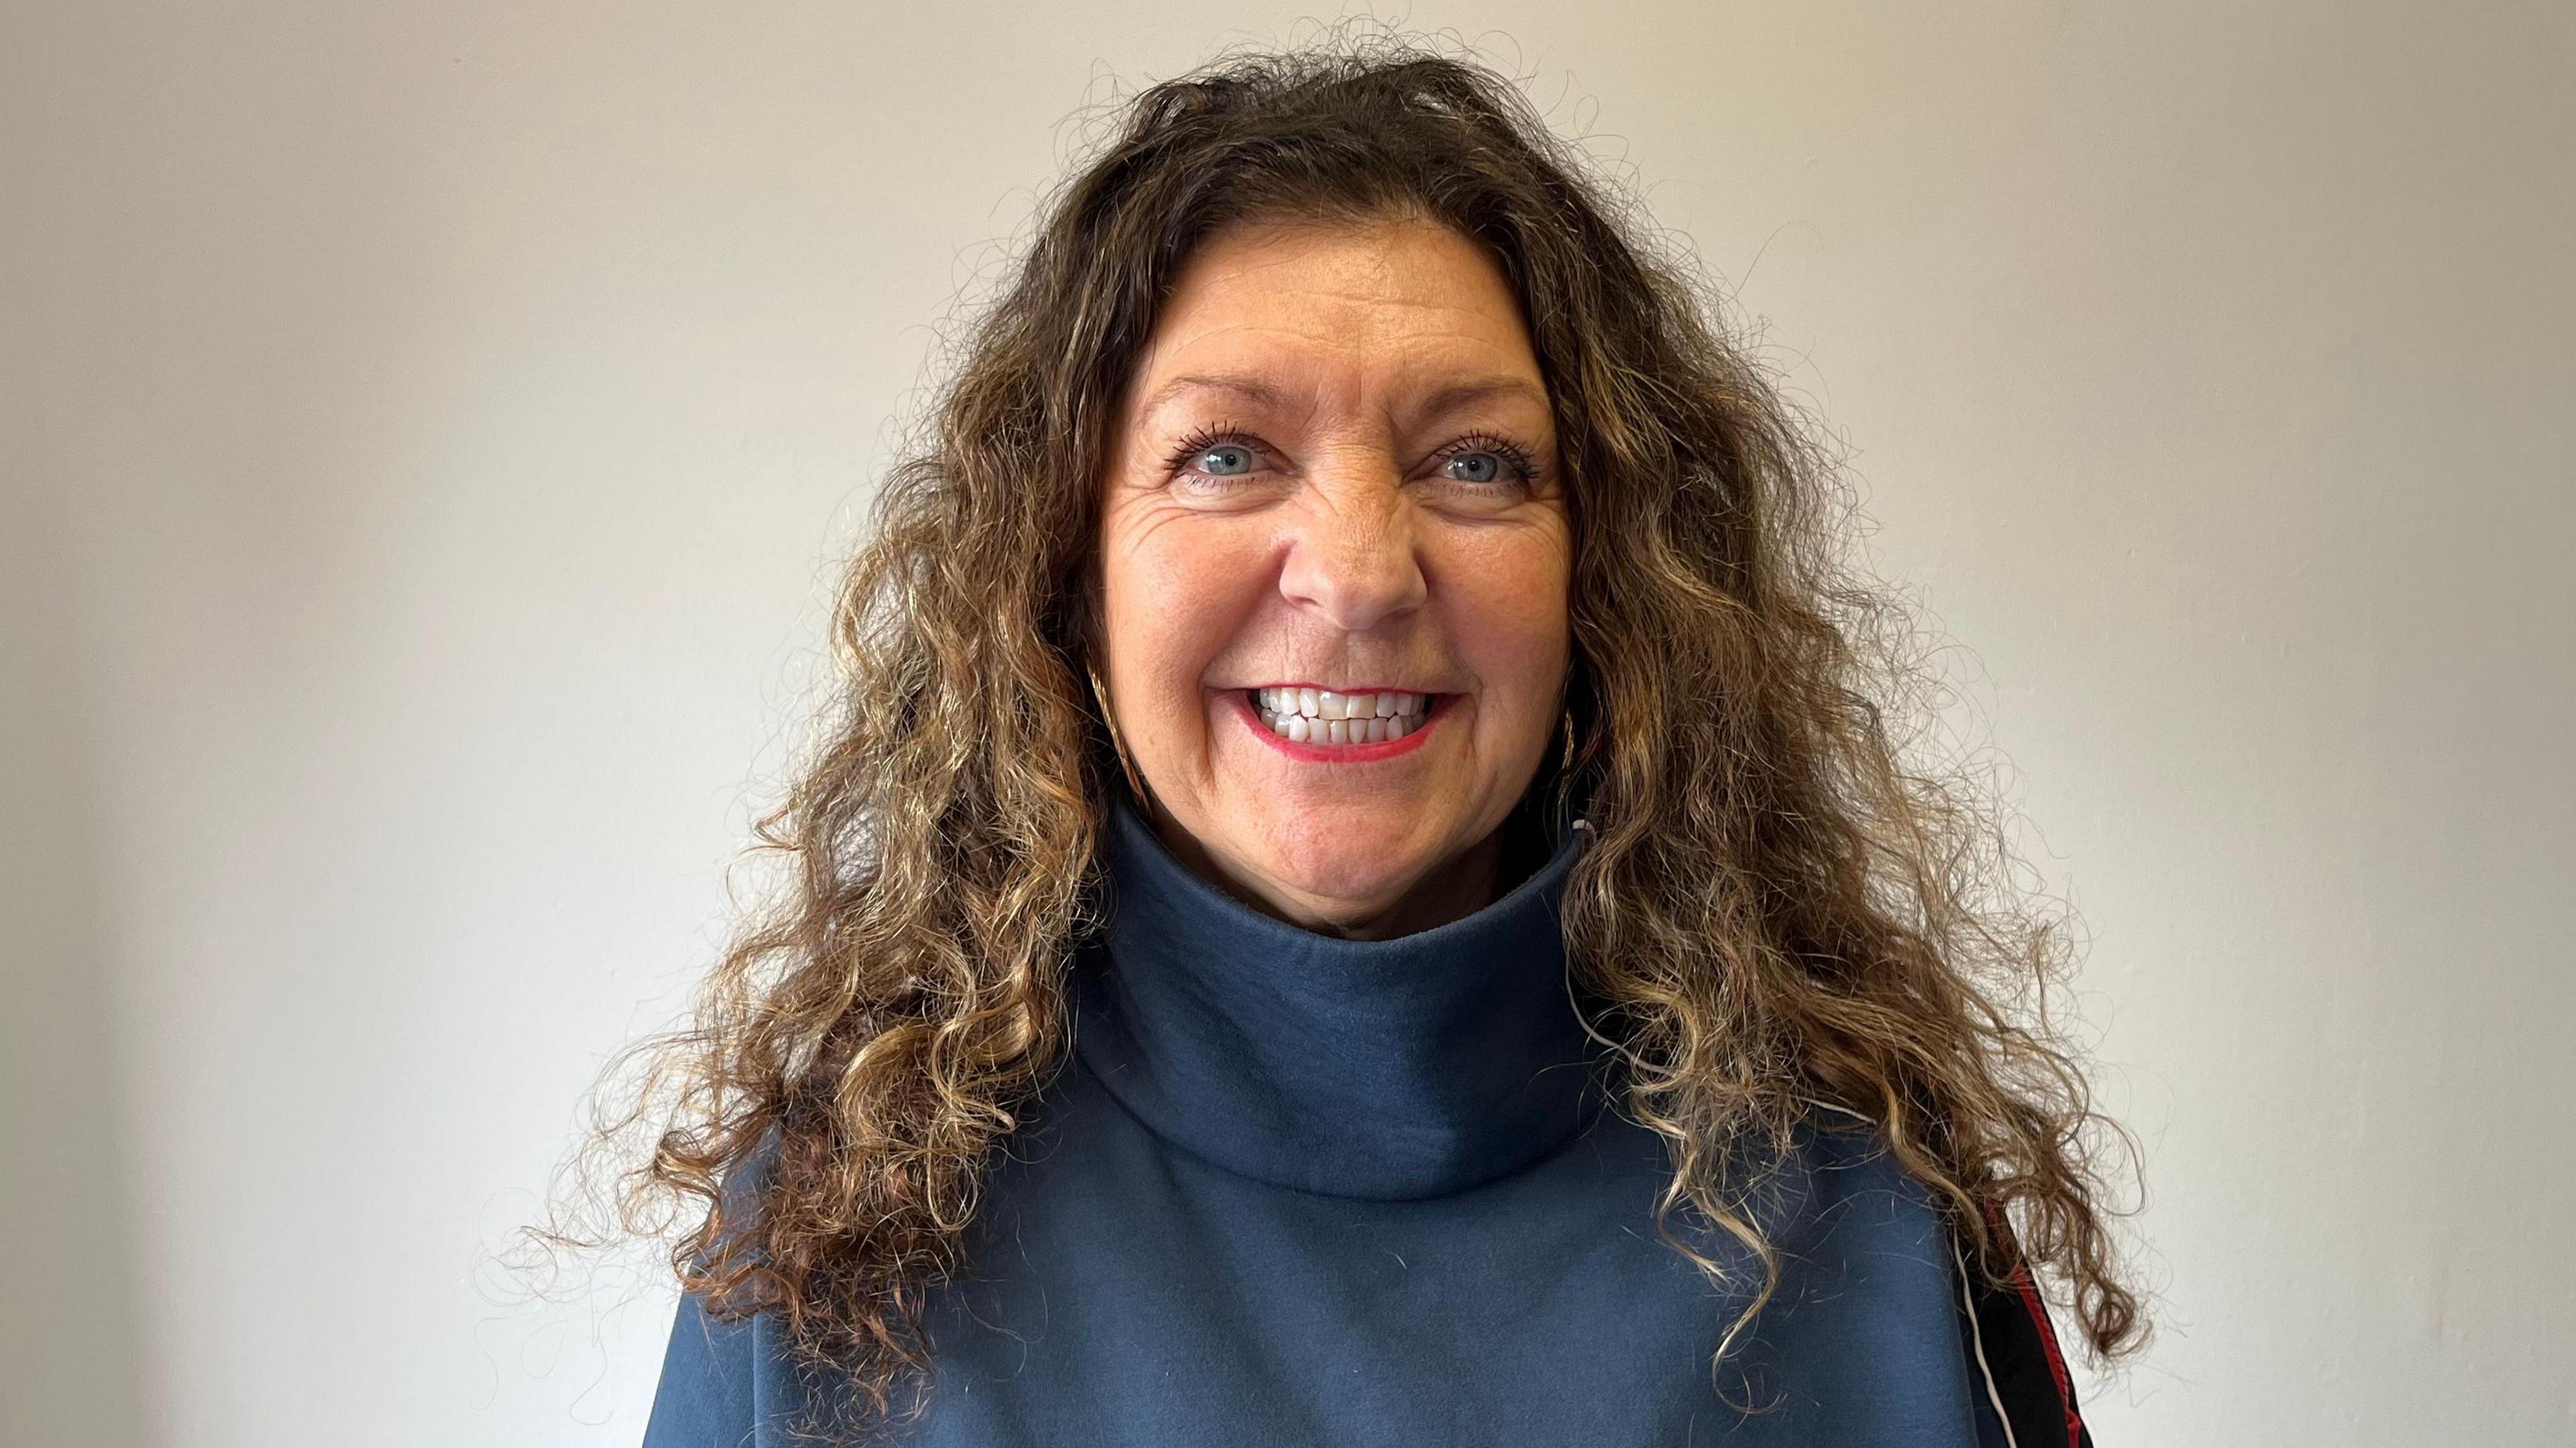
(1384, 306)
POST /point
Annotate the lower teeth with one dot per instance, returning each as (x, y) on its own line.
(1300, 729)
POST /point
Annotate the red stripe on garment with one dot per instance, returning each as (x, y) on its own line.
(2047, 1335)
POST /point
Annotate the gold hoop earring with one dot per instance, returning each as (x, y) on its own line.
(1109, 722)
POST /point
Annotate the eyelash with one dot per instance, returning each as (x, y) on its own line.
(1516, 461)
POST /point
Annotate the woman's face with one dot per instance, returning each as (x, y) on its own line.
(1335, 492)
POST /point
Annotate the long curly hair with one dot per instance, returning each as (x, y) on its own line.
(1781, 906)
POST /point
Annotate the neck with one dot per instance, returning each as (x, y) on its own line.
(1393, 1068)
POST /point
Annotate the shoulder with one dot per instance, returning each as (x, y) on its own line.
(710, 1394)
(2016, 1363)
(707, 1395)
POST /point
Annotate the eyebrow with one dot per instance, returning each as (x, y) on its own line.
(1262, 393)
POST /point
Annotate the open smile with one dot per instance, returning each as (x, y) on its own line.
(1326, 726)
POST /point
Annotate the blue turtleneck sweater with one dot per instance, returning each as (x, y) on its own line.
(1295, 1189)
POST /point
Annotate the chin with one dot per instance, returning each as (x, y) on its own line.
(1354, 867)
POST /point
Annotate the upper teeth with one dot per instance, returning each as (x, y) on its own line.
(1325, 704)
(1321, 716)
(1325, 717)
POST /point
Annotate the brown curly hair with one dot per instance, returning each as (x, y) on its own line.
(1779, 908)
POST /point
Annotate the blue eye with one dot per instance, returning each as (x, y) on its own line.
(1226, 460)
(1487, 468)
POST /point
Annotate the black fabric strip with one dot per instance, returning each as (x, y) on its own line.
(2029, 1372)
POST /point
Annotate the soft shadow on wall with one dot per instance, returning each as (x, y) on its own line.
(69, 1366)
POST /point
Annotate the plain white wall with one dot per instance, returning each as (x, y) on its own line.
(430, 430)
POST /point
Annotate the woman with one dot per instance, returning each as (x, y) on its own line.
(1358, 893)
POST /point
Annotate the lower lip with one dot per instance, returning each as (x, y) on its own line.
(1338, 753)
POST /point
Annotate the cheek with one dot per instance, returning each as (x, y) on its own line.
(1177, 590)
(1512, 627)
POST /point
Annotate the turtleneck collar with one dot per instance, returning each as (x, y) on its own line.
(1388, 1069)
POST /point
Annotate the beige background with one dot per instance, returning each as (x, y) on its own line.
(430, 428)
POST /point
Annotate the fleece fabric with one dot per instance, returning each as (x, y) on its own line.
(1296, 1189)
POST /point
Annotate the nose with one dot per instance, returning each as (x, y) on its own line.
(1352, 560)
